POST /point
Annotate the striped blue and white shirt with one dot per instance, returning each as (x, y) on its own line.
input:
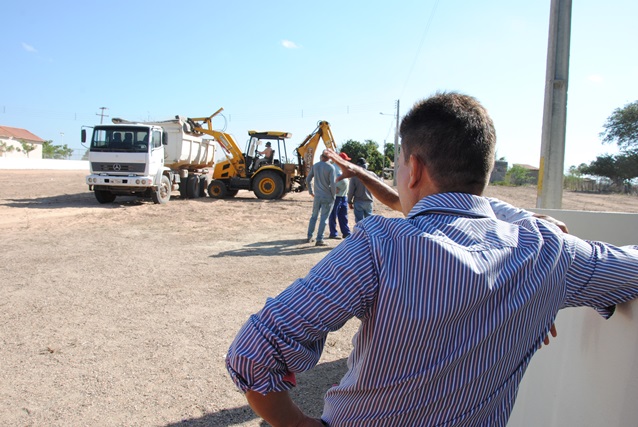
(453, 303)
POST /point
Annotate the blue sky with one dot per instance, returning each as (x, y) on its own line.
(285, 65)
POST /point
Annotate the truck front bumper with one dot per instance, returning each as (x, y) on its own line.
(120, 181)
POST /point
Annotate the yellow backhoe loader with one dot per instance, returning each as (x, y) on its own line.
(268, 177)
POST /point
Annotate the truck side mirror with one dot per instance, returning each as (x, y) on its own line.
(83, 135)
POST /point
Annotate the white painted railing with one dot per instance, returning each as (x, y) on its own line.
(588, 375)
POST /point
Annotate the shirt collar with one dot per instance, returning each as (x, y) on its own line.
(455, 204)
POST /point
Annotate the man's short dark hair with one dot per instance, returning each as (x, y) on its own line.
(454, 136)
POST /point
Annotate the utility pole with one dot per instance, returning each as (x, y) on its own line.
(101, 114)
(552, 161)
(396, 144)
(385, 153)
(396, 148)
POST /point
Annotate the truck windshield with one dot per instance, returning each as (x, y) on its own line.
(129, 139)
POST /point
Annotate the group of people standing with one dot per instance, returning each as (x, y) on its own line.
(332, 197)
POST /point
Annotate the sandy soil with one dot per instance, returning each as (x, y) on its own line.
(121, 314)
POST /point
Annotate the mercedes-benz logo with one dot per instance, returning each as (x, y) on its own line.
(117, 167)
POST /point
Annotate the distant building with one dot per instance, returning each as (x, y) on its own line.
(532, 172)
(13, 137)
(499, 171)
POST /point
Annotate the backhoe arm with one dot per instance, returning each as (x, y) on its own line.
(307, 149)
(225, 140)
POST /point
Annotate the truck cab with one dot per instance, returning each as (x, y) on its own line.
(124, 159)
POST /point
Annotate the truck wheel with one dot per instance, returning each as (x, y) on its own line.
(203, 185)
(192, 187)
(163, 192)
(104, 196)
(217, 189)
(268, 185)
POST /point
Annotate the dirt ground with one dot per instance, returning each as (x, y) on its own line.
(121, 314)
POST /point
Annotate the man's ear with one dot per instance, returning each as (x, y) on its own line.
(415, 168)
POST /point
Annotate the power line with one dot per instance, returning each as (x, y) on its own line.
(418, 51)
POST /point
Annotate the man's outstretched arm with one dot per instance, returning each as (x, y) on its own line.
(388, 195)
(379, 189)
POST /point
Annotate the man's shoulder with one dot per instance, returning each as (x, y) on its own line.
(380, 227)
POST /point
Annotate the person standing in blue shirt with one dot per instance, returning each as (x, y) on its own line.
(324, 191)
(340, 208)
(454, 299)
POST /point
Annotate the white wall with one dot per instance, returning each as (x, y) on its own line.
(588, 375)
(18, 153)
(24, 163)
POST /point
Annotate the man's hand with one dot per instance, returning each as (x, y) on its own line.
(379, 189)
(552, 331)
(347, 168)
(278, 409)
(310, 422)
(557, 223)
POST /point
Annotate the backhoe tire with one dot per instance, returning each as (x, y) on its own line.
(163, 193)
(217, 189)
(104, 196)
(192, 187)
(268, 185)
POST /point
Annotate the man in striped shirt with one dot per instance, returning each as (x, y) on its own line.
(454, 299)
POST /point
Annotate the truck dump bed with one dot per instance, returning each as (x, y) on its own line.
(184, 149)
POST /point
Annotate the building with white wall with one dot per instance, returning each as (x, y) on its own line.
(11, 140)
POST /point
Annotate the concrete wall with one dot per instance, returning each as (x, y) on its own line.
(18, 152)
(499, 171)
(588, 375)
(49, 164)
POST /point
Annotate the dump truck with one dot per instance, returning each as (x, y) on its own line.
(267, 178)
(148, 159)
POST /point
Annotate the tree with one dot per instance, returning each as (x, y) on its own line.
(620, 168)
(622, 127)
(26, 146)
(369, 150)
(50, 151)
(388, 152)
(518, 175)
(5, 147)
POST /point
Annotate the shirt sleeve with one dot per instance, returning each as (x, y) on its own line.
(351, 187)
(288, 334)
(311, 174)
(506, 212)
(601, 275)
(333, 182)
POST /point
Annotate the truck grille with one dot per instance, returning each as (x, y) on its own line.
(117, 167)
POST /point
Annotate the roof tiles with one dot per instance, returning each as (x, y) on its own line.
(18, 133)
